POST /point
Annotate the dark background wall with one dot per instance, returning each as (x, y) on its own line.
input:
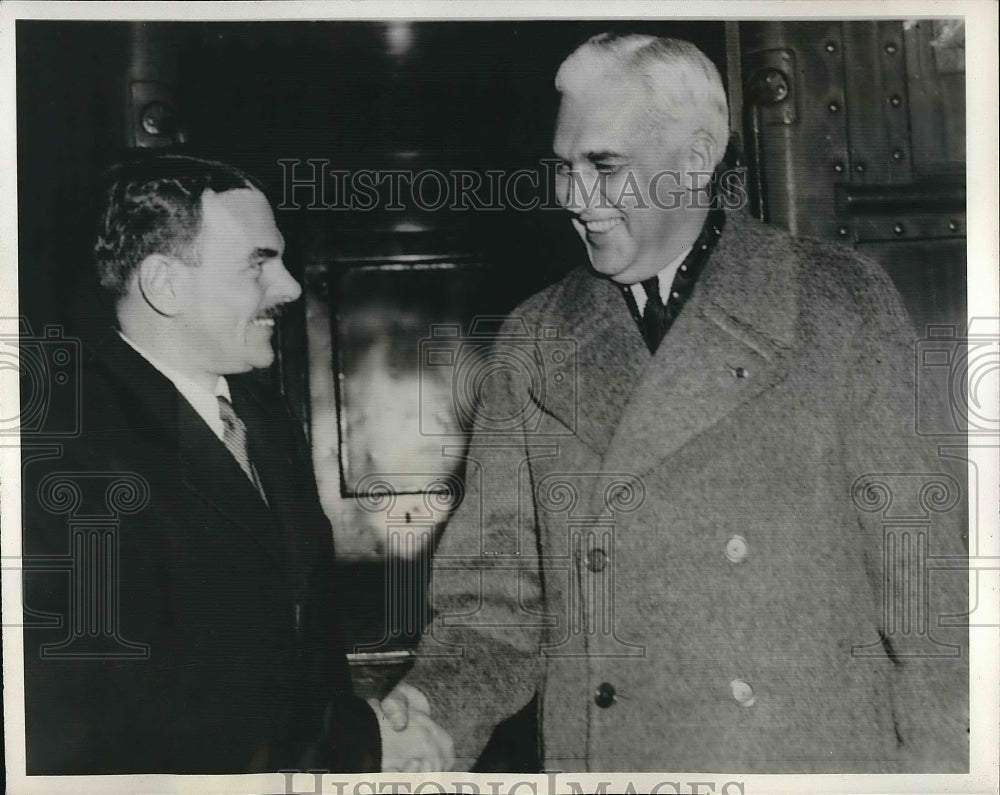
(360, 94)
(872, 109)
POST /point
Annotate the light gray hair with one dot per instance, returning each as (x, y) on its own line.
(683, 84)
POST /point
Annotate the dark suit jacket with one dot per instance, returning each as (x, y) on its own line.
(178, 624)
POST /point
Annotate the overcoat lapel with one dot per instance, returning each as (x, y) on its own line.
(691, 383)
(728, 345)
(609, 356)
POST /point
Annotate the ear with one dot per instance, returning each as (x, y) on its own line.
(159, 279)
(702, 152)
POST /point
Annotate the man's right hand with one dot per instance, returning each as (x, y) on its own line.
(411, 741)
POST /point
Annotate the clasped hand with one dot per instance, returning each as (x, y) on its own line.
(411, 741)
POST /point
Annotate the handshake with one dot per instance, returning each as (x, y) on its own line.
(411, 741)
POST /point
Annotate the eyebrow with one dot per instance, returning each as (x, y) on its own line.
(594, 157)
(604, 154)
(264, 253)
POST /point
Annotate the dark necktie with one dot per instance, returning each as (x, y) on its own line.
(657, 317)
(234, 437)
(654, 316)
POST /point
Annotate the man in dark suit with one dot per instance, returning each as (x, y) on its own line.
(197, 630)
(689, 534)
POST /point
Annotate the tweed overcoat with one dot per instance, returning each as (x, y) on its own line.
(676, 552)
(225, 610)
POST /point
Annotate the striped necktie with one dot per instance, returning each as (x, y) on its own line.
(234, 437)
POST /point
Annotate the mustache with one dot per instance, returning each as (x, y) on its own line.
(274, 312)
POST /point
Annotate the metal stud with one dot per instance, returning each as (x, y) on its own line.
(898, 229)
(890, 48)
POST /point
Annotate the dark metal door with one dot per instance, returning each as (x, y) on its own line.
(855, 132)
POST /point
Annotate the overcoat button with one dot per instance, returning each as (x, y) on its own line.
(604, 696)
(737, 549)
(597, 559)
(742, 693)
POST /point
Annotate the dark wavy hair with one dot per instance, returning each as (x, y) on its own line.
(153, 206)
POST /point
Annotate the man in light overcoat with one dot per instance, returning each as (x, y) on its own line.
(676, 530)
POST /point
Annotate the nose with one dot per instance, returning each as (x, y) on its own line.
(576, 189)
(282, 286)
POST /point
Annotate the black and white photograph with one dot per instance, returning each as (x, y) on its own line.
(441, 397)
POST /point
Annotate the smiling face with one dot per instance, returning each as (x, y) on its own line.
(229, 300)
(624, 180)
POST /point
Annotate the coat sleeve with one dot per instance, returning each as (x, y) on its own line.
(479, 659)
(911, 494)
(349, 740)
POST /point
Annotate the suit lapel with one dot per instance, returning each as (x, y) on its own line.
(181, 438)
(274, 458)
(210, 471)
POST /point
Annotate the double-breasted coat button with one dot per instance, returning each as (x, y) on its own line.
(742, 693)
(597, 559)
(737, 549)
(604, 696)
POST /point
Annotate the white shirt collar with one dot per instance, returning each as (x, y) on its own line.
(203, 402)
(666, 280)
